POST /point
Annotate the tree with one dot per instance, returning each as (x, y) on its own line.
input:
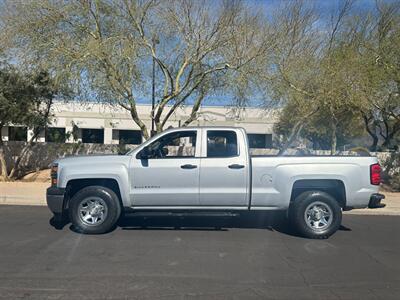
(24, 100)
(327, 79)
(107, 47)
(292, 75)
(317, 129)
(380, 62)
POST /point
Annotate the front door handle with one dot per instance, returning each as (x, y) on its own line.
(188, 166)
(236, 166)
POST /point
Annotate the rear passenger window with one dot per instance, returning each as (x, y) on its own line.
(221, 143)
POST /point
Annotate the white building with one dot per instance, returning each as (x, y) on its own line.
(100, 123)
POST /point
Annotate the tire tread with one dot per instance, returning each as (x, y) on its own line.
(296, 213)
(114, 209)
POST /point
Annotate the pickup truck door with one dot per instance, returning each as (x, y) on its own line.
(170, 174)
(224, 169)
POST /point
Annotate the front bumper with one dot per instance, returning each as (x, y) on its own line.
(55, 199)
(375, 201)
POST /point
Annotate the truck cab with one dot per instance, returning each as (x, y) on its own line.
(205, 168)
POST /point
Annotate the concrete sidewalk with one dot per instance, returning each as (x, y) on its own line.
(34, 193)
(23, 193)
(392, 207)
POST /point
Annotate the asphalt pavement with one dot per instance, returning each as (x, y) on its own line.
(252, 257)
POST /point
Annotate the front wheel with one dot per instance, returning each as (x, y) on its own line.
(315, 214)
(94, 210)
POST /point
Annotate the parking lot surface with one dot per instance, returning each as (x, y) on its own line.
(251, 257)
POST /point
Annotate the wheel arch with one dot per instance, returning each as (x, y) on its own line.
(334, 187)
(75, 185)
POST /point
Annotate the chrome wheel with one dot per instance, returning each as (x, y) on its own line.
(318, 216)
(92, 211)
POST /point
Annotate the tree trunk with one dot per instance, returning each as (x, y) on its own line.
(390, 134)
(374, 144)
(159, 127)
(20, 157)
(333, 143)
(388, 140)
(371, 132)
(138, 121)
(196, 106)
(333, 137)
(3, 163)
(295, 132)
(25, 150)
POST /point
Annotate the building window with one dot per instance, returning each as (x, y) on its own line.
(133, 137)
(19, 134)
(55, 135)
(259, 140)
(95, 136)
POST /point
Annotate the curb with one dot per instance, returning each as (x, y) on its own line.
(372, 212)
(10, 200)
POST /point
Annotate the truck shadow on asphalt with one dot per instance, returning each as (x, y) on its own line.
(272, 221)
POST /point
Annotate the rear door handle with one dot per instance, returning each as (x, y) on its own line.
(236, 166)
(188, 166)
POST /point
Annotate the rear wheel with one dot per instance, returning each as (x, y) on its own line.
(94, 210)
(315, 214)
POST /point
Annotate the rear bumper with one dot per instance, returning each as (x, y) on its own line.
(375, 201)
(55, 199)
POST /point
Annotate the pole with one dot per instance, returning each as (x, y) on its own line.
(153, 96)
(154, 41)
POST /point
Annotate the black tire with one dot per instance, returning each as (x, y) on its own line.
(107, 202)
(322, 203)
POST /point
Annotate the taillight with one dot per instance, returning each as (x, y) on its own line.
(375, 174)
(53, 174)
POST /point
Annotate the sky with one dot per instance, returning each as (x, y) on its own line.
(324, 7)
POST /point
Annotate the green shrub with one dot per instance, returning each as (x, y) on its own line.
(391, 174)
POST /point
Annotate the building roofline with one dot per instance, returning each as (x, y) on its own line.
(149, 104)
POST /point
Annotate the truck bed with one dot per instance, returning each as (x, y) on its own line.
(273, 177)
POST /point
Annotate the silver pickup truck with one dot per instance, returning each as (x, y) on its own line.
(210, 169)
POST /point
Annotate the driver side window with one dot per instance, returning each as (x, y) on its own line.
(174, 145)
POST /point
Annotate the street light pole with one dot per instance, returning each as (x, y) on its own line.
(153, 96)
(154, 41)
